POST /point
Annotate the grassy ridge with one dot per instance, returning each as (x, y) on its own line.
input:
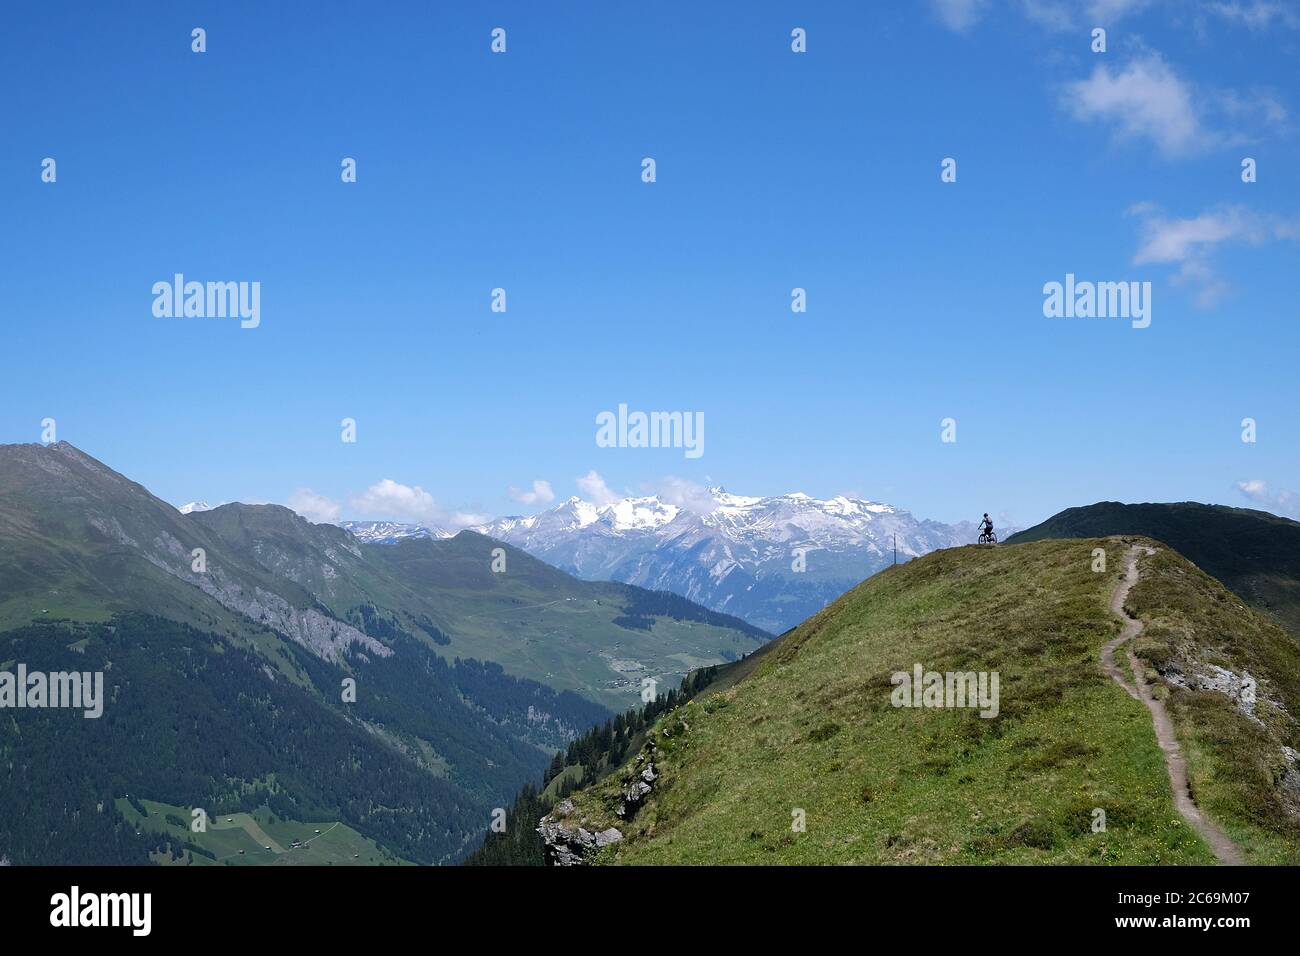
(812, 729)
(1256, 554)
(1237, 767)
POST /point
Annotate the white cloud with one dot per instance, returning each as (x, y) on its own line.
(1283, 502)
(1148, 100)
(392, 500)
(683, 493)
(1257, 15)
(1106, 12)
(1144, 100)
(1190, 243)
(594, 489)
(959, 15)
(1052, 14)
(1061, 15)
(540, 495)
(317, 509)
(1174, 240)
(1257, 108)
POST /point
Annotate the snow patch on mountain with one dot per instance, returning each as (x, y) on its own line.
(390, 532)
(771, 560)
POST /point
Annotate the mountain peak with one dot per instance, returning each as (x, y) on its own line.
(390, 532)
(731, 552)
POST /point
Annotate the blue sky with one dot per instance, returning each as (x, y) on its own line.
(775, 170)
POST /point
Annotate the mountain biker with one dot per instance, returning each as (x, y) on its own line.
(986, 526)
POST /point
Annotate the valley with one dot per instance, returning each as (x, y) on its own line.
(473, 664)
(226, 680)
(251, 839)
(772, 561)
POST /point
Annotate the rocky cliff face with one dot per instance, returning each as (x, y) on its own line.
(567, 842)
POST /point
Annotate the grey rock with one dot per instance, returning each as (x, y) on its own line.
(570, 846)
(1226, 682)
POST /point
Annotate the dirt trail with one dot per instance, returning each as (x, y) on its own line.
(1223, 847)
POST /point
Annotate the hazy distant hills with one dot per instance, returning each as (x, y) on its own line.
(1254, 553)
(772, 561)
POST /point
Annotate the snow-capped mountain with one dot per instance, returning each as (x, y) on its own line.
(772, 561)
(193, 506)
(390, 532)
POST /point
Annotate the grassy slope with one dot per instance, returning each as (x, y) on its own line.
(1236, 765)
(541, 623)
(1254, 553)
(65, 520)
(812, 728)
(336, 845)
(63, 516)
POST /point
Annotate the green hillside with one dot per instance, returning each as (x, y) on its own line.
(594, 638)
(227, 637)
(597, 638)
(415, 764)
(81, 542)
(1254, 553)
(811, 728)
(259, 838)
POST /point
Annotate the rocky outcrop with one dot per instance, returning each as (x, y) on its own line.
(1290, 783)
(639, 784)
(569, 844)
(1240, 688)
(1243, 690)
(324, 636)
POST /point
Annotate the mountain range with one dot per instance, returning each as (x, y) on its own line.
(772, 561)
(388, 688)
(230, 638)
